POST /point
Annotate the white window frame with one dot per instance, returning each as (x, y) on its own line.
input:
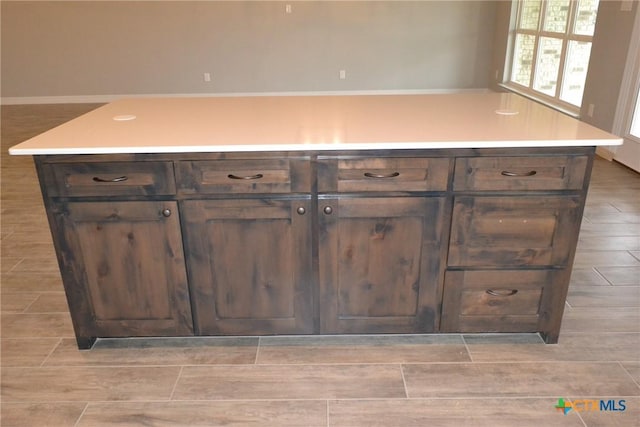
(566, 37)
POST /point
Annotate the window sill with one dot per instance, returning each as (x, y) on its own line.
(541, 100)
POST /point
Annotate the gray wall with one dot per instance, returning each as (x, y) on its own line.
(86, 48)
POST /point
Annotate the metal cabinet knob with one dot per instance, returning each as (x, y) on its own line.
(301, 210)
(328, 210)
(166, 212)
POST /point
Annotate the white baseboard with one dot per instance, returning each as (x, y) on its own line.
(99, 99)
(605, 153)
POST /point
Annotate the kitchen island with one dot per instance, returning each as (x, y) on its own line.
(316, 214)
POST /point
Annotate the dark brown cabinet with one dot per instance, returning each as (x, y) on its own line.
(250, 265)
(369, 241)
(123, 268)
(513, 231)
(380, 264)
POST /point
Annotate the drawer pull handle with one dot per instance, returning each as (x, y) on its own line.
(507, 173)
(166, 213)
(328, 210)
(378, 175)
(502, 293)
(118, 179)
(301, 210)
(256, 176)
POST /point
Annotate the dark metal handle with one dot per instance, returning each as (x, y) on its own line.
(377, 175)
(118, 179)
(328, 210)
(301, 210)
(507, 173)
(502, 293)
(256, 176)
(166, 213)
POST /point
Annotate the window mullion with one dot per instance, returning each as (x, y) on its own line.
(534, 62)
(573, 7)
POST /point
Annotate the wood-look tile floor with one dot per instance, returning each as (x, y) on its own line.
(474, 380)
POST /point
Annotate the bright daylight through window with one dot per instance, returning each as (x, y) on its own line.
(551, 48)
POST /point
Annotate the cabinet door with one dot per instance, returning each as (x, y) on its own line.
(381, 264)
(123, 266)
(250, 266)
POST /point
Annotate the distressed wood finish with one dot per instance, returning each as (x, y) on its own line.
(380, 264)
(250, 265)
(514, 231)
(316, 242)
(123, 268)
(521, 173)
(499, 300)
(110, 179)
(231, 176)
(378, 174)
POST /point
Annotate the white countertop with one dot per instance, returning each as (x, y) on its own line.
(293, 123)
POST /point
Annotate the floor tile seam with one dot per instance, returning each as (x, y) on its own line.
(329, 400)
(466, 346)
(563, 334)
(57, 344)
(104, 367)
(636, 382)
(175, 384)
(579, 416)
(605, 306)
(551, 396)
(404, 382)
(258, 345)
(86, 406)
(288, 365)
(31, 337)
(39, 312)
(61, 291)
(327, 413)
(26, 310)
(16, 264)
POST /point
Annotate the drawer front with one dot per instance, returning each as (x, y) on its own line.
(110, 179)
(520, 173)
(244, 176)
(383, 174)
(495, 300)
(513, 231)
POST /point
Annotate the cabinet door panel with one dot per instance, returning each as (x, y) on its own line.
(127, 267)
(514, 231)
(380, 264)
(250, 263)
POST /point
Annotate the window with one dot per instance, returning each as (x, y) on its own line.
(551, 48)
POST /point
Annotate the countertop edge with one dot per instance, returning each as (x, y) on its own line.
(14, 151)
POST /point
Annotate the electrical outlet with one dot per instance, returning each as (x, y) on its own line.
(287, 8)
(343, 74)
(207, 77)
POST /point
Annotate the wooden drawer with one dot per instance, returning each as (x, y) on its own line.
(495, 300)
(383, 174)
(110, 179)
(244, 176)
(513, 231)
(520, 173)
